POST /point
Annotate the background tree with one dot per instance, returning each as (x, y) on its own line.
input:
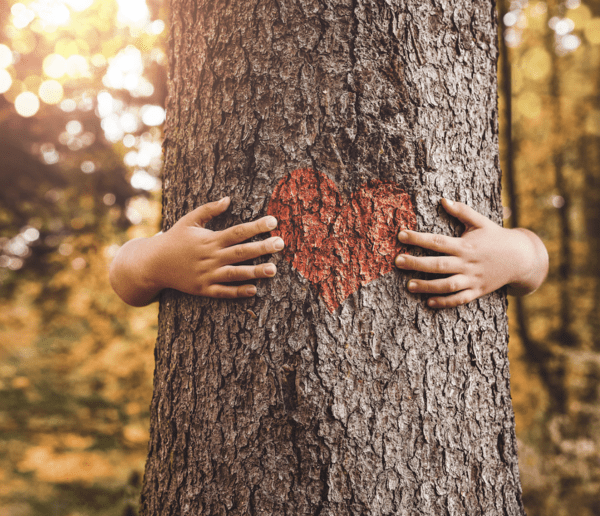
(288, 402)
(553, 55)
(79, 156)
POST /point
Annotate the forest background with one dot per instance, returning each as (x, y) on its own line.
(82, 89)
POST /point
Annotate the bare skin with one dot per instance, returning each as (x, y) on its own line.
(192, 259)
(485, 258)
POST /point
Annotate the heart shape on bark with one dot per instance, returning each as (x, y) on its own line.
(339, 245)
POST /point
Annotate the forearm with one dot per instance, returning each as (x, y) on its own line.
(531, 259)
(131, 274)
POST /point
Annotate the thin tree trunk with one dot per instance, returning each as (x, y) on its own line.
(357, 399)
(564, 335)
(538, 356)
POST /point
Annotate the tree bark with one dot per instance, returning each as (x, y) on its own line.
(288, 403)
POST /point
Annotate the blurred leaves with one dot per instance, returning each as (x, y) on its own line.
(554, 59)
(79, 175)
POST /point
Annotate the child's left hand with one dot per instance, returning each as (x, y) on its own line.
(485, 258)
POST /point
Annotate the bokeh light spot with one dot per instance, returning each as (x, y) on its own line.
(109, 199)
(54, 66)
(77, 66)
(5, 81)
(68, 105)
(87, 167)
(129, 140)
(27, 104)
(153, 115)
(65, 249)
(6, 56)
(144, 181)
(31, 234)
(133, 12)
(564, 26)
(78, 263)
(51, 92)
(570, 42)
(74, 127)
(157, 27)
(22, 15)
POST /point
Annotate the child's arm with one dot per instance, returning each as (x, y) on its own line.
(485, 258)
(193, 259)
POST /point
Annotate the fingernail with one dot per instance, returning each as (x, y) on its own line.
(278, 244)
(403, 235)
(250, 291)
(271, 222)
(400, 261)
(448, 201)
(270, 269)
(224, 200)
(432, 303)
(412, 285)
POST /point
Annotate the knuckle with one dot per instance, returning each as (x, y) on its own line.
(230, 274)
(238, 233)
(410, 262)
(239, 253)
(438, 240)
(467, 246)
(441, 265)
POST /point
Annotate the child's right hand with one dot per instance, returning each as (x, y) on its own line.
(190, 258)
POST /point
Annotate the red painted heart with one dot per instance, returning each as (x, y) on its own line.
(337, 245)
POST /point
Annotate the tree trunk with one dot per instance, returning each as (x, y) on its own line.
(332, 392)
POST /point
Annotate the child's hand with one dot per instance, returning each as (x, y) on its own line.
(485, 258)
(190, 258)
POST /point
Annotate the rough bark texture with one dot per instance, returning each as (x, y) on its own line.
(277, 405)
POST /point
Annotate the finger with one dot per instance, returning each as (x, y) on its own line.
(230, 292)
(241, 232)
(467, 215)
(251, 250)
(460, 298)
(454, 283)
(208, 211)
(433, 264)
(231, 273)
(439, 243)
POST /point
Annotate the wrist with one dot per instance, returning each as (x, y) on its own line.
(530, 262)
(152, 263)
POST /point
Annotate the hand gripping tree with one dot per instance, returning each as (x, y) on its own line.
(333, 391)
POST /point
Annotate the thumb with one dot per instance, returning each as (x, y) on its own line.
(208, 211)
(467, 215)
